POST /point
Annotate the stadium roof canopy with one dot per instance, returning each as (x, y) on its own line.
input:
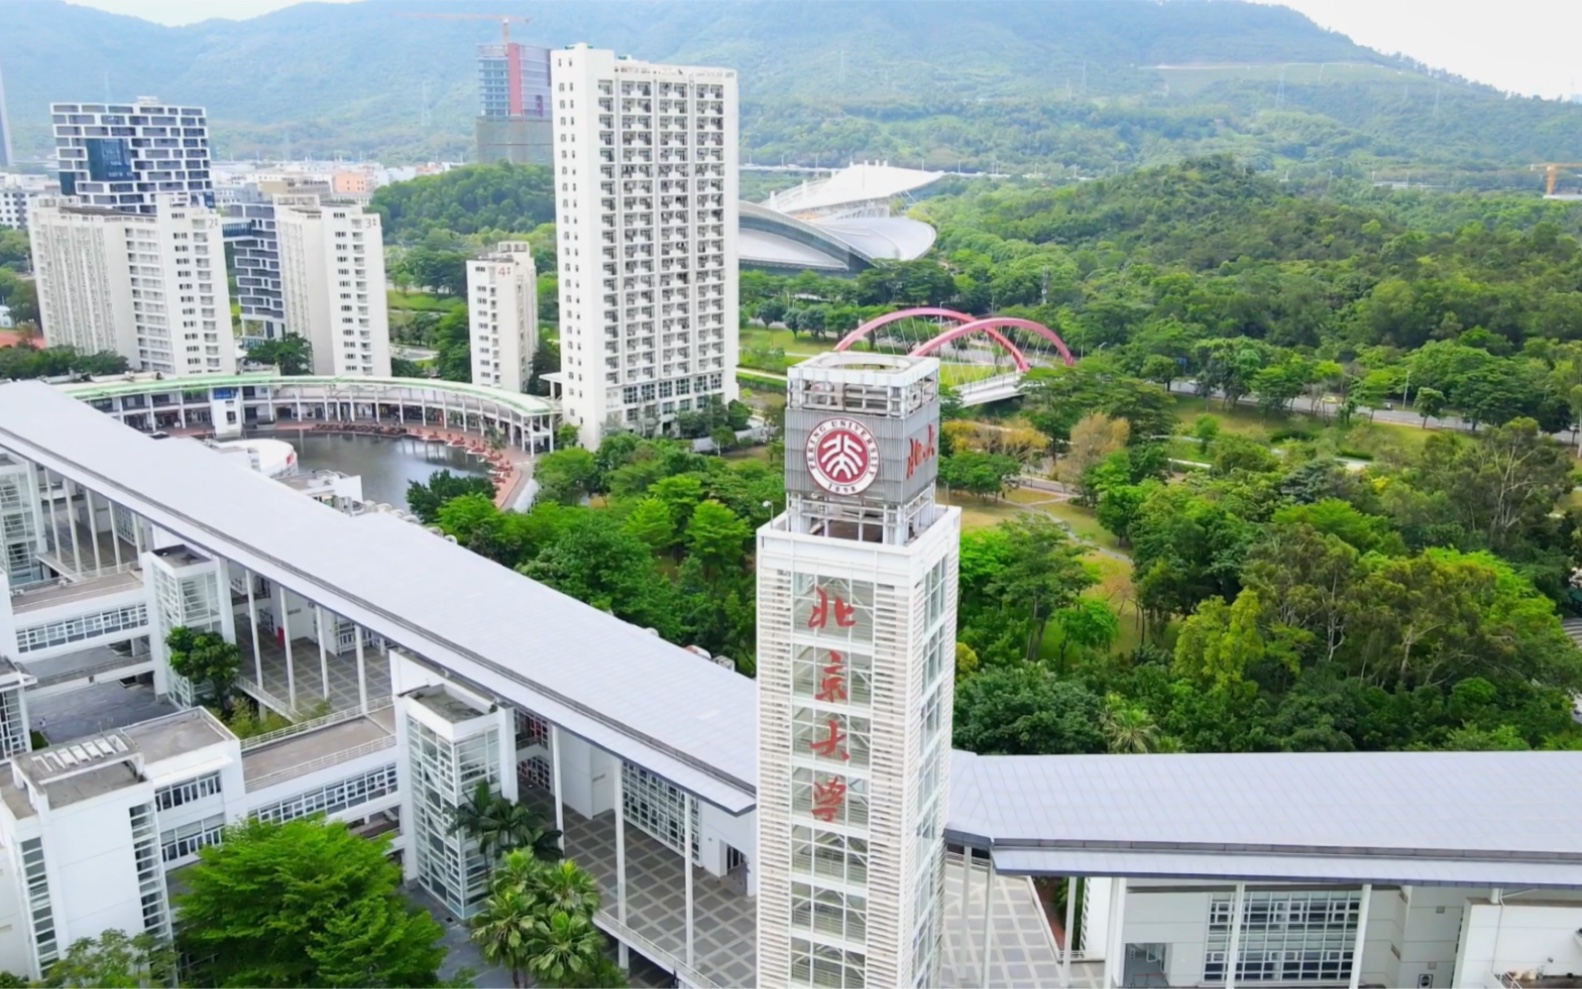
(848, 188)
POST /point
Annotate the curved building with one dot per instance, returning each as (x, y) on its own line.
(773, 241)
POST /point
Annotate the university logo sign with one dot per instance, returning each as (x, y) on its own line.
(842, 456)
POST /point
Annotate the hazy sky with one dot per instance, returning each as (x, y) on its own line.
(1528, 46)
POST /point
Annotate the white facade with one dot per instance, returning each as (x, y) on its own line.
(332, 279)
(150, 287)
(502, 316)
(14, 203)
(646, 190)
(124, 155)
(856, 660)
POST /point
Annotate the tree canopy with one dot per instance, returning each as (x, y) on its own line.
(305, 903)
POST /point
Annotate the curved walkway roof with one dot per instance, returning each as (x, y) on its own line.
(144, 384)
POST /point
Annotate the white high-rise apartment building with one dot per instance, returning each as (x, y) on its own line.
(123, 155)
(150, 287)
(856, 666)
(332, 278)
(645, 175)
(502, 315)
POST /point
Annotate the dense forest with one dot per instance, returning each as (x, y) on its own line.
(1057, 88)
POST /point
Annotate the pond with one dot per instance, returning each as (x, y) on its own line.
(386, 464)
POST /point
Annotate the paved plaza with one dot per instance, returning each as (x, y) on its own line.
(310, 693)
(1022, 949)
(724, 919)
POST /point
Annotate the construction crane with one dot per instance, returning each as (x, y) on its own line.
(504, 19)
(1552, 173)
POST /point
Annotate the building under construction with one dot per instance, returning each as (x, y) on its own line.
(513, 104)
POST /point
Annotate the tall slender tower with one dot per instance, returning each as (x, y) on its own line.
(856, 660)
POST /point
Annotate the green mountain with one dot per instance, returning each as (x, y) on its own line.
(1073, 87)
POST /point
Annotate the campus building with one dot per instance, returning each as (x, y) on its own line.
(502, 316)
(646, 201)
(332, 284)
(809, 828)
(514, 121)
(148, 286)
(125, 155)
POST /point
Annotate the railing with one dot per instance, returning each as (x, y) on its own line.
(92, 671)
(322, 762)
(263, 696)
(313, 724)
(653, 952)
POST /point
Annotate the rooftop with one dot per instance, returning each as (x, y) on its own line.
(177, 734)
(1425, 817)
(852, 185)
(627, 691)
(297, 755)
(439, 700)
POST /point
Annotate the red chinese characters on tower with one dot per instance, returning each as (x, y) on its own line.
(831, 746)
(832, 679)
(828, 798)
(845, 613)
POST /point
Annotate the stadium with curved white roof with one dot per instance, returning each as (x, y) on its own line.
(839, 224)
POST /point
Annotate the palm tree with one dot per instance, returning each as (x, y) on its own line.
(502, 930)
(564, 949)
(566, 887)
(1129, 728)
(479, 817)
(523, 827)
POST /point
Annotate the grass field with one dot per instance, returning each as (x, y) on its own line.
(421, 301)
(1372, 438)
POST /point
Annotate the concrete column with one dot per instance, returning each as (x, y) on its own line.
(1115, 940)
(137, 535)
(1071, 927)
(988, 922)
(285, 634)
(620, 852)
(252, 621)
(93, 530)
(362, 675)
(1362, 931)
(966, 879)
(554, 781)
(71, 522)
(686, 865)
(1238, 906)
(324, 652)
(115, 537)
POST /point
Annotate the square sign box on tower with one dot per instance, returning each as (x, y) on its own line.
(863, 428)
(856, 674)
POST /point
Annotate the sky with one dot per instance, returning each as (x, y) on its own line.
(1524, 46)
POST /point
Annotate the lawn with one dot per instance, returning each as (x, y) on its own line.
(422, 301)
(1374, 439)
(759, 337)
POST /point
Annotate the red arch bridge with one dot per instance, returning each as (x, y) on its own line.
(982, 358)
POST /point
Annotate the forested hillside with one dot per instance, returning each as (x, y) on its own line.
(1072, 88)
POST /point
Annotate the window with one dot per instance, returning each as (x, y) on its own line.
(1295, 936)
(184, 842)
(332, 798)
(185, 793)
(59, 633)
